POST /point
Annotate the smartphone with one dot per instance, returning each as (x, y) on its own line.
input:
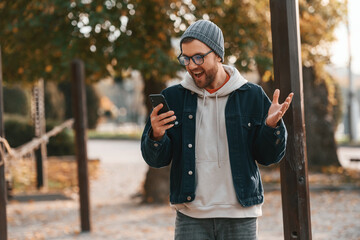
(156, 99)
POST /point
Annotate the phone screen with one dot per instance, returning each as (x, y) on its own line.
(156, 99)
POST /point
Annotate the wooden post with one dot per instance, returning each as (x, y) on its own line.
(3, 196)
(80, 115)
(40, 129)
(288, 78)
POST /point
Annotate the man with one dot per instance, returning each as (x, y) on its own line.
(222, 125)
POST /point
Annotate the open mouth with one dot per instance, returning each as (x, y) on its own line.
(198, 75)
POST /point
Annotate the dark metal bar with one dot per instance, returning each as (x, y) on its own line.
(39, 168)
(3, 195)
(288, 78)
(80, 115)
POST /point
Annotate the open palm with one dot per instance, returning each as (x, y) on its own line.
(276, 110)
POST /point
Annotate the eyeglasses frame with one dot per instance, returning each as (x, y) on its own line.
(201, 55)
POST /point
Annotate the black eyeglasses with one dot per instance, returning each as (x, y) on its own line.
(198, 59)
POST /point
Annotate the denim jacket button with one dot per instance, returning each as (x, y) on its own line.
(278, 132)
(191, 116)
(156, 144)
(249, 124)
(176, 122)
(190, 172)
(188, 198)
(189, 145)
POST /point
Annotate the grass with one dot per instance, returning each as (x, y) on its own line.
(345, 141)
(136, 135)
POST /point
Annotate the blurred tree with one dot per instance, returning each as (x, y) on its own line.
(17, 101)
(40, 38)
(322, 115)
(54, 102)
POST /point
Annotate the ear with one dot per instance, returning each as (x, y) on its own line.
(218, 58)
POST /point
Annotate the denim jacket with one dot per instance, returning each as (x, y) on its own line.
(250, 140)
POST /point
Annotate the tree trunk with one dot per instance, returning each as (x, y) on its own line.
(320, 121)
(156, 186)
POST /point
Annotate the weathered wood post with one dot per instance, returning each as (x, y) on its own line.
(3, 196)
(288, 78)
(38, 112)
(80, 115)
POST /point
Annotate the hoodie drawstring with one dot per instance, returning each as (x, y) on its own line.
(217, 130)
(201, 116)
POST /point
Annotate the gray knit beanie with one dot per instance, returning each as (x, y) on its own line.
(208, 33)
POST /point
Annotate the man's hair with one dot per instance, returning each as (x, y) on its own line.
(188, 39)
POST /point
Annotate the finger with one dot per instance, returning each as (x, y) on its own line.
(166, 115)
(276, 96)
(162, 128)
(167, 120)
(289, 98)
(156, 110)
(168, 126)
(284, 108)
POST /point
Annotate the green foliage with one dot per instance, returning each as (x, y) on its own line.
(15, 101)
(19, 131)
(61, 144)
(40, 38)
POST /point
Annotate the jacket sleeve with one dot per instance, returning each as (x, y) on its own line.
(270, 143)
(156, 154)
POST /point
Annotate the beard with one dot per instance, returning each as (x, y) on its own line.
(210, 76)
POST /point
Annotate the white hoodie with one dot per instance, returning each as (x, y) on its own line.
(215, 193)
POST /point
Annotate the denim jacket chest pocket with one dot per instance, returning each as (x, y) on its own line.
(249, 127)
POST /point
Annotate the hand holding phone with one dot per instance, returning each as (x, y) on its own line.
(162, 118)
(156, 99)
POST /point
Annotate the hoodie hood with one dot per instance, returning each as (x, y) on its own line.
(235, 82)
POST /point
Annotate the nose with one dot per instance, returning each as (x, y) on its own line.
(192, 64)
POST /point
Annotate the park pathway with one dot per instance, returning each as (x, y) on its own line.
(116, 215)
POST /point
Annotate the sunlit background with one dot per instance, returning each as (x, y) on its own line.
(129, 49)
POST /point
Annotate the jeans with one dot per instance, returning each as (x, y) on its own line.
(187, 228)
